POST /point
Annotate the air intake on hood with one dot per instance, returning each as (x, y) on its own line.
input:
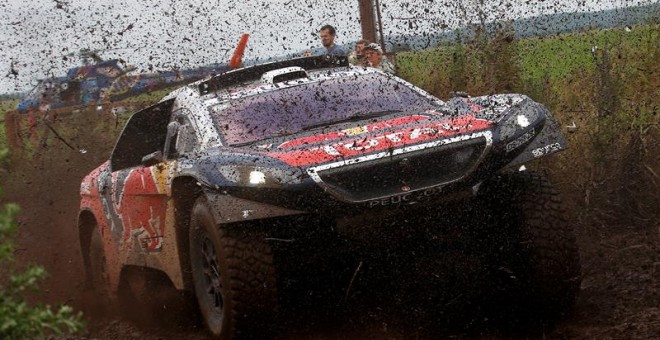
(283, 74)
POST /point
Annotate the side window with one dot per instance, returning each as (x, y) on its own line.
(144, 133)
(186, 139)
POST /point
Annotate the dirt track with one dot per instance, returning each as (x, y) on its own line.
(619, 298)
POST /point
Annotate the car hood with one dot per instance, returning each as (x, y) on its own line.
(405, 152)
(345, 141)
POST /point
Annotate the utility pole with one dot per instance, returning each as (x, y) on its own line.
(367, 20)
(370, 21)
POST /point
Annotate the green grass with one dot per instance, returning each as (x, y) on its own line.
(555, 57)
(151, 96)
(7, 105)
(564, 55)
(423, 67)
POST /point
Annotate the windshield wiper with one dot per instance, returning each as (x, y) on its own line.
(353, 118)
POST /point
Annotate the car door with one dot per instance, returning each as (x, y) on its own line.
(136, 188)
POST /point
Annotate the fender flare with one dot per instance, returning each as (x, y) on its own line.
(230, 209)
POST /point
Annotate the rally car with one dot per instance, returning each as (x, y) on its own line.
(200, 185)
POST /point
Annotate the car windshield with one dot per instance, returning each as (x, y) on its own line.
(292, 109)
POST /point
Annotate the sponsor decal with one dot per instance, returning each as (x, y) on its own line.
(355, 131)
(334, 135)
(85, 188)
(135, 204)
(361, 145)
(407, 198)
(544, 150)
(520, 140)
(377, 142)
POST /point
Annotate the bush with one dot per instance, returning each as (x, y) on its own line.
(19, 320)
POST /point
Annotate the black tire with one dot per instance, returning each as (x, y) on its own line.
(97, 294)
(535, 253)
(233, 275)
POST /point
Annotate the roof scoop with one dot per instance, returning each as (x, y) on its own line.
(283, 74)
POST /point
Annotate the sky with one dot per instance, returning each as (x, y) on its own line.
(40, 38)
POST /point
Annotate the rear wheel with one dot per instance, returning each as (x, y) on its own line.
(535, 253)
(97, 287)
(233, 274)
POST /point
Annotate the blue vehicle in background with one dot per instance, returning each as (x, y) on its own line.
(109, 80)
(98, 85)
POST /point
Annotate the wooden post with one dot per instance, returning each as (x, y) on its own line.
(380, 26)
(368, 20)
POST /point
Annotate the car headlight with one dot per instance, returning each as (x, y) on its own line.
(260, 176)
(257, 177)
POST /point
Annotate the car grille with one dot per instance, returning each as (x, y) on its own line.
(406, 172)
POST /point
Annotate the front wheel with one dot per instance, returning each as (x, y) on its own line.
(535, 251)
(233, 274)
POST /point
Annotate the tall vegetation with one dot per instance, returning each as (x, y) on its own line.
(603, 82)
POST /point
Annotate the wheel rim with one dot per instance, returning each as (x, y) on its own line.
(211, 275)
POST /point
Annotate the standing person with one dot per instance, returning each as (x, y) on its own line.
(375, 58)
(356, 57)
(327, 34)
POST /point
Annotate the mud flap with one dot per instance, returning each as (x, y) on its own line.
(229, 209)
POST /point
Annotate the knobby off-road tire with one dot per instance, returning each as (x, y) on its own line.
(97, 294)
(536, 249)
(233, 275)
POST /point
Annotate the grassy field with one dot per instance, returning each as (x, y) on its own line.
(606, 82)
(562, 56)
(548, 58)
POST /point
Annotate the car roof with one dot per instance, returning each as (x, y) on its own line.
(248, 80)
(248, 74)
(257, 86)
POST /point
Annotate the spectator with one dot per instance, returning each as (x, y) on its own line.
(375, 58)
(327, 34)
(356, 57)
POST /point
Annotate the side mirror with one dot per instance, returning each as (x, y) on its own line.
(152, 158)
(172, 130)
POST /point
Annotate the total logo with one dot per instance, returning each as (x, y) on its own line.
(389, 140)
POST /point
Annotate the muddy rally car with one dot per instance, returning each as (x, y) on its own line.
(212, 184)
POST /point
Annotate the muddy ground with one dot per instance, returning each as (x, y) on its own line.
(619, 298)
